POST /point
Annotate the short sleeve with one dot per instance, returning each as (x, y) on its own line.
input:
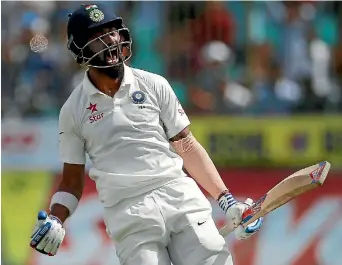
(172, 113)
(71, 143)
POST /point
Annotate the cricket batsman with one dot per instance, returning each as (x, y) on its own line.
(136, 134)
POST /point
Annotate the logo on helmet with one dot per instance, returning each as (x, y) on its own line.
(96, 15)
(88, 7)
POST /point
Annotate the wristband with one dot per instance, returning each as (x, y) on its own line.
(66, 199)
(226, 201)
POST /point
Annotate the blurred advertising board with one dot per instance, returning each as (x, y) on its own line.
(30, 144)
(278, 141)
(230, 141)
(306, 231)
(23, 193)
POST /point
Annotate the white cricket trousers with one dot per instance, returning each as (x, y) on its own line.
(172, 223)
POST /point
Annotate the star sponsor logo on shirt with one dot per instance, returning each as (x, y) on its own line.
(94, 117)
(92, 107)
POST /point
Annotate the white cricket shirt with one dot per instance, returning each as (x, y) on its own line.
(126, 137)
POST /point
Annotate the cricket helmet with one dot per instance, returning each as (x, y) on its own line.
(90, 20)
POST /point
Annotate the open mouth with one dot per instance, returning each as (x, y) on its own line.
(112, 55)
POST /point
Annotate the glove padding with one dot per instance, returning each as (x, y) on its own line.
(234, 214)
(244, 233)
(47, 235)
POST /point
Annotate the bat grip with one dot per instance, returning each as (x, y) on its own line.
(226, 230)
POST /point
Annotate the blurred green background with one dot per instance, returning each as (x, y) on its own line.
(261, 82)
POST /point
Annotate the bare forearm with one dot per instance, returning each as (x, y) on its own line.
(72, 186)
(199, 165)
(211, 182)
(69, 191)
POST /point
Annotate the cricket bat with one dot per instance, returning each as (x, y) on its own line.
(294, 185)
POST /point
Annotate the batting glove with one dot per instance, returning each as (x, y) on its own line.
(234, 211)
(47, 235)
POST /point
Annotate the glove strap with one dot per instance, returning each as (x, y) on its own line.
(226, 201)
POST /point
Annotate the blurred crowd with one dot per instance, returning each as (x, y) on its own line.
(241, 58)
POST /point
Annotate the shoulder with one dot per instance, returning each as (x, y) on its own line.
(154, 80)
(70, 106)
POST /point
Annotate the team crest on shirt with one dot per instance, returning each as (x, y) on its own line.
(138, 97)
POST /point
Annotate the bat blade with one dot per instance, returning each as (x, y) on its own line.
(294, 185)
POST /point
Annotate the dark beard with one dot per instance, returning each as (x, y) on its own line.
(115, 72)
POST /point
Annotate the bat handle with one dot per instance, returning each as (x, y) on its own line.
(226, 230)
(246, 215)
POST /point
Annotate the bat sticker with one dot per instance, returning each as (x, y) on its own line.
(253, 210)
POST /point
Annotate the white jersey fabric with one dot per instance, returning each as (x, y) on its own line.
(126, 137)
(170, 223)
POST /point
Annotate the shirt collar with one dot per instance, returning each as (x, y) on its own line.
(127, 80)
